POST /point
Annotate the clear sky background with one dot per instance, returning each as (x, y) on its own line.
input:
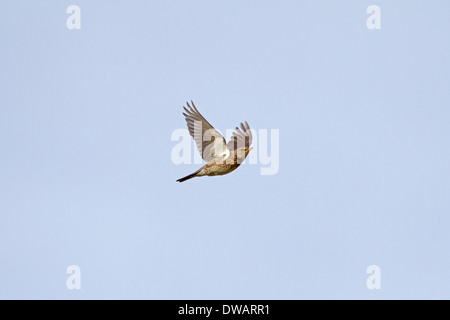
(87, 179)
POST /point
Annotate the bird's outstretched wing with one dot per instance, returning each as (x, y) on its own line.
(241, 137)
(210, 143)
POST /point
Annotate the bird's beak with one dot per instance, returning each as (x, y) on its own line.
(249, 149)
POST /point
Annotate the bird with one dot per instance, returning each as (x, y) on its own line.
(221, 158)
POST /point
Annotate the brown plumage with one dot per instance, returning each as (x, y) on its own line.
(221, 157)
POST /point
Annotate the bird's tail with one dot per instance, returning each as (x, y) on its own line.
(192, 175)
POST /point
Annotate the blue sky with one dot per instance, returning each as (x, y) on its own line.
(87, 177)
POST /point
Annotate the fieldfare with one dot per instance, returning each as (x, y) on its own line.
(221, 157)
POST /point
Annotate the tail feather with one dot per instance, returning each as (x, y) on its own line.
(192, 175)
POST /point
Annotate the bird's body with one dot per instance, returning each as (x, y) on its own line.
(212, 168)
(221, 158)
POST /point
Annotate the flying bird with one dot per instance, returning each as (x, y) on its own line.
(221, 157)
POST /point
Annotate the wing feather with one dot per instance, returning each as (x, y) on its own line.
(241, 137)
(210, 143)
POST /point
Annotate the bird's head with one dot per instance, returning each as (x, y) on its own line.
(242, 153)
